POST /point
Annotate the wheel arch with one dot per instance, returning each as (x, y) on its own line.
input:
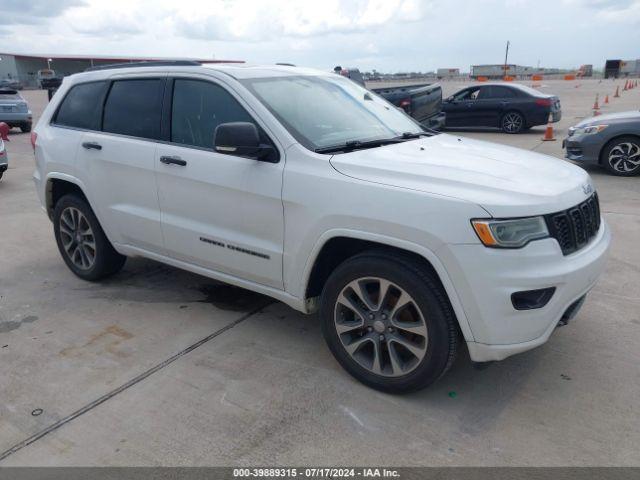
(336, 247)
(57, 186)
(606, 144)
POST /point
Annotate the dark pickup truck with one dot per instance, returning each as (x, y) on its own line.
(423, 102)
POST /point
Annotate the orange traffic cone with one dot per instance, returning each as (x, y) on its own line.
(626, 86)
(548, 133)
(596, 113)
(595, 104)
(606, 99)
(617, 94)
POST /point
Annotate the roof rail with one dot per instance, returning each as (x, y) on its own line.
(150, 63)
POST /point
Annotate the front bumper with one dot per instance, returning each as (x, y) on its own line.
(583, 148)
(485, 278)
(3, 167)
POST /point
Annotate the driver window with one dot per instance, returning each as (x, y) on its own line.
(198, 108)
(470, 94)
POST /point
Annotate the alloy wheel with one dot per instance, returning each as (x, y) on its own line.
(512, 122)
(77, 238)
(380, 326)
(625, 157)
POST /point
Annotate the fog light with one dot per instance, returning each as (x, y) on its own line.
(532, 299)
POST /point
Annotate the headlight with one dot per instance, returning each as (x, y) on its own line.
(514, 233)
(591, 129)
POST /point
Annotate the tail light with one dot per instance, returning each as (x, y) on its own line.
(544, 102)
(34, 137)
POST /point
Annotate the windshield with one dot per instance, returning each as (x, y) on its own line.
(323, 111)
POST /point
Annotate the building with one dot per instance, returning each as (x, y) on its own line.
(448, 73)
(25, 67)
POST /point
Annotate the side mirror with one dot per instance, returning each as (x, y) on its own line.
(242, 139)
(451, 99)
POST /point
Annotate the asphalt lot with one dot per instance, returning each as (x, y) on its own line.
(264, 389)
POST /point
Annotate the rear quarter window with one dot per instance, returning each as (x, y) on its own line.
(81, 107)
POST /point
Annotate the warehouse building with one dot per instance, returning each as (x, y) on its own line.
(26, 67)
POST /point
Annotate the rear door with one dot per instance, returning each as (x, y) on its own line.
(118, 162)
(493, 102)
(219, 211)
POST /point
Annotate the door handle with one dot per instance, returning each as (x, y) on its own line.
(92, 146)
(169, 160)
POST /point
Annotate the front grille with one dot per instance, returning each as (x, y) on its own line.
(575, 227)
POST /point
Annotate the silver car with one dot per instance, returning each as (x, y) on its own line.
(612, 141)
(14, 110)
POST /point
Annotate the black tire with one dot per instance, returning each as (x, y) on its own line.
(106, 260)
(1, 173)
(420, 283)
(512, 122)
(25, 128)
(621, 168)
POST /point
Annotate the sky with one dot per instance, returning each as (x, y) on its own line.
(386, 35)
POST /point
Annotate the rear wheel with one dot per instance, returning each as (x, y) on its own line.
(82, 242)
(621, 156)
(512, 122)
(25, 128)
(388, 322)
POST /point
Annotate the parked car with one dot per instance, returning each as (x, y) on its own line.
(14, 110)
(422, 102)
(303, 186)
(510, 107)
(4, 156)
(11, 83)
(612, 141)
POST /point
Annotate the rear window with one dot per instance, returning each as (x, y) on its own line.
(81, 106)
(496, 92)
(134, 108)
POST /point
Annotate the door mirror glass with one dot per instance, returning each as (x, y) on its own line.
(241, 139)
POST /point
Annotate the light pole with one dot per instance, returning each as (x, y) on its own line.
(506, 56)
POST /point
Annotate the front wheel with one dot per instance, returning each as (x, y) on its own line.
(388, 322)
(25, 128)
(512, 122)
(82, 242)
(621, 156)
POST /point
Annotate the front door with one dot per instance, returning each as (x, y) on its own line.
(218, 211)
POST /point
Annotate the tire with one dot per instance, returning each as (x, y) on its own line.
(81, 241)
(621, 156)
(1, 173)
(434, 332)
(25, 128)
(512, 122)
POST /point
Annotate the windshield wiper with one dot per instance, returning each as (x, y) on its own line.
(410, 135)
(358, 144)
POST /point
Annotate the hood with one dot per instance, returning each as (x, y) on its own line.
(611, 117)
(505, 181)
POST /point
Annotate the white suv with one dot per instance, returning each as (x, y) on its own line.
(306, 187)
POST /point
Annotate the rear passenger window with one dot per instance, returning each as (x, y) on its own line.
(497, 92)
(134, 108)
(198, 108)
(81, 106)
